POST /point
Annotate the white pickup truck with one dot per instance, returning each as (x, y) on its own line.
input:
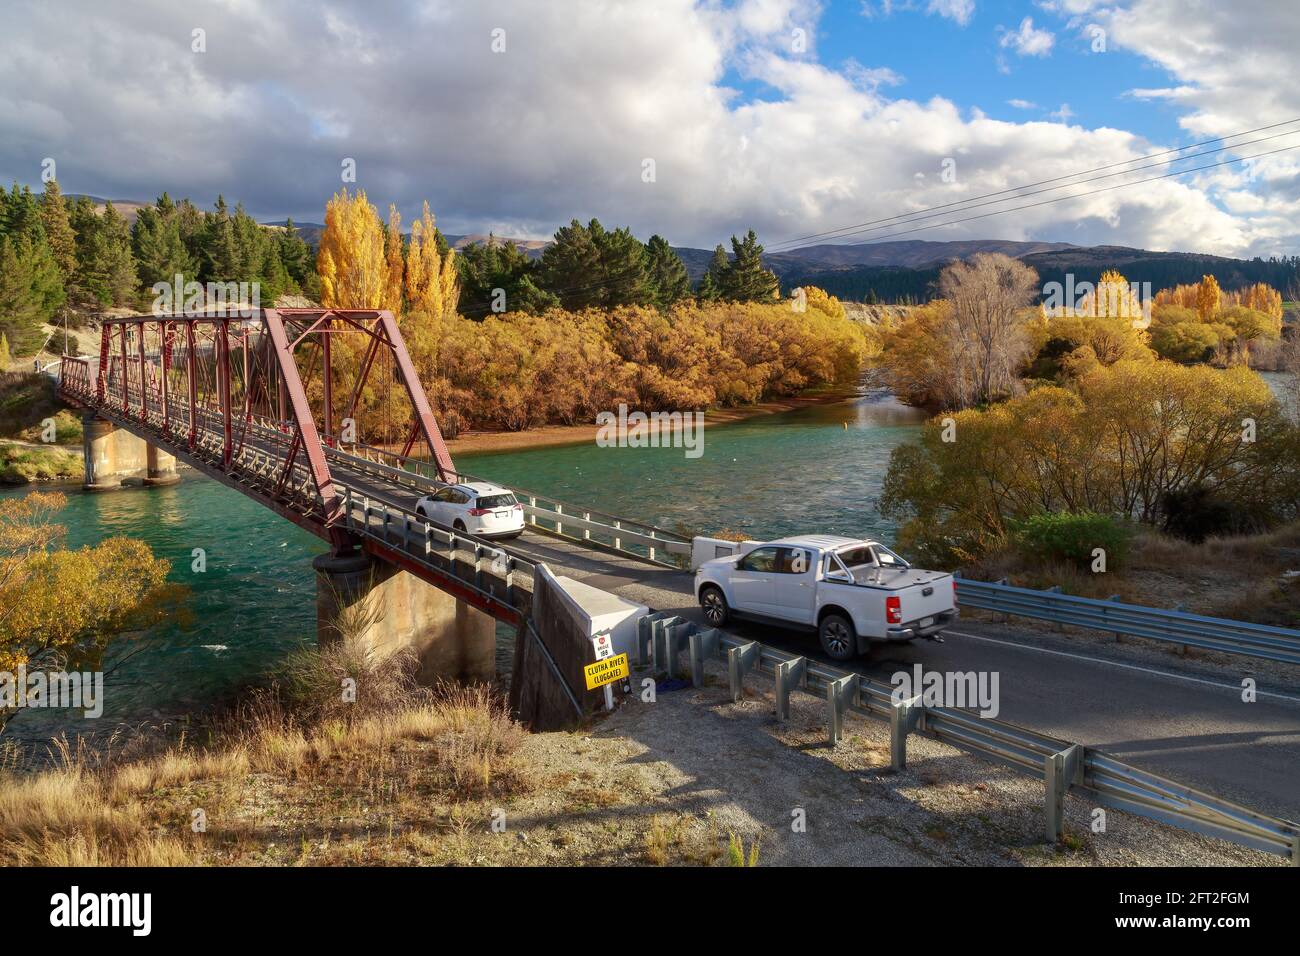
(853, 592)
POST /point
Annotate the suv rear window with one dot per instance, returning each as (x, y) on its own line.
(496, 501)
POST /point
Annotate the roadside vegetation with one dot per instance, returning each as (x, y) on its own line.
(1058, 437)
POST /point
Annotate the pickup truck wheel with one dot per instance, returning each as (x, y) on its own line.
(715, 607)
(838, 638)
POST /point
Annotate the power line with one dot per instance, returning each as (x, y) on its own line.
(1091, 192)
(1043, 182)
(911, 218)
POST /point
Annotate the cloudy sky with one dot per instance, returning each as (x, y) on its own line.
(789, 116)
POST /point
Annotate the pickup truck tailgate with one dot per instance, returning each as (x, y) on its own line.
(922, 594)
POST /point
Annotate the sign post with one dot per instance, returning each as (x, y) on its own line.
(607, 668)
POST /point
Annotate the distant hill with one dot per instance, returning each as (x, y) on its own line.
(126, 207)
(908, 270)
(1086, 263)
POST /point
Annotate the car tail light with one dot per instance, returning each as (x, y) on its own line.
(954, 593)
(479, 512)
(893, 610)
(518, 507)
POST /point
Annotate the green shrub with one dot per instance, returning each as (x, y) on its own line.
(1072, 537)
(20, 464)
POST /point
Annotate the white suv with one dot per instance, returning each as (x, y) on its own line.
(475, 507)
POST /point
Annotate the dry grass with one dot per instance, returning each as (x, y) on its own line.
(1238, 577)
(683, 840)
(279, 770)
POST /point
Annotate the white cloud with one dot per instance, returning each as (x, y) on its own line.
(1022, 104)
(555, 127)
(959, 11)
(1228, 63)
(1062, 115)
(1028, 40)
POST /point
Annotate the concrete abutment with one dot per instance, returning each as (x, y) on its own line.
(389, 608)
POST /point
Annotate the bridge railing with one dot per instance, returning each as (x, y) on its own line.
(1171, 626)
(74, 374)
(500, 581)
(252, 466)
(1064, 767)
(544, 513)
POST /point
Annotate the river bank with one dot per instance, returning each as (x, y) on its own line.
(553, 436)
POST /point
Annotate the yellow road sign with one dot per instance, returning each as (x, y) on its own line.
(606, 672)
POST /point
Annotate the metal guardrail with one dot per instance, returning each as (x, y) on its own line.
(545, 514)
(1171, 626)
(1064, 767)
(487, 570)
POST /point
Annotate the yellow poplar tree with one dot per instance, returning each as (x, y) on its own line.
(1114, 298)
(449, 284)
(393, 254)
(430, 277)
(351, 262)
(1207, 297)
(1261, 297)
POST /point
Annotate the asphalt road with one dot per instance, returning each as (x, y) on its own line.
(1181, 718)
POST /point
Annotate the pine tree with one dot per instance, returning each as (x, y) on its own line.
(667, 273)
(589, 266)
(159, 248)
(571, 266)
(252, 248)
(745, 279)
(483, 267)
(624, 267)
(296, 256)
(58, 229)
(220, 246)
(20, 213)
(31, 289)
(715, 276)
(112, 274)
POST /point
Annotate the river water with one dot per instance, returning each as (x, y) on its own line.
(818, 468)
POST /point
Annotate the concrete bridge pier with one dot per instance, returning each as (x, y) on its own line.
(111, 454)
(160, 467)
(367, 598)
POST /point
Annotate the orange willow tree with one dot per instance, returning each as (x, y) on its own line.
(59, 605)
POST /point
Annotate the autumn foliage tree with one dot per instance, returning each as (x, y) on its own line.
(432, 288)
(352, 261)
(62, 606)
(1122, 440)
